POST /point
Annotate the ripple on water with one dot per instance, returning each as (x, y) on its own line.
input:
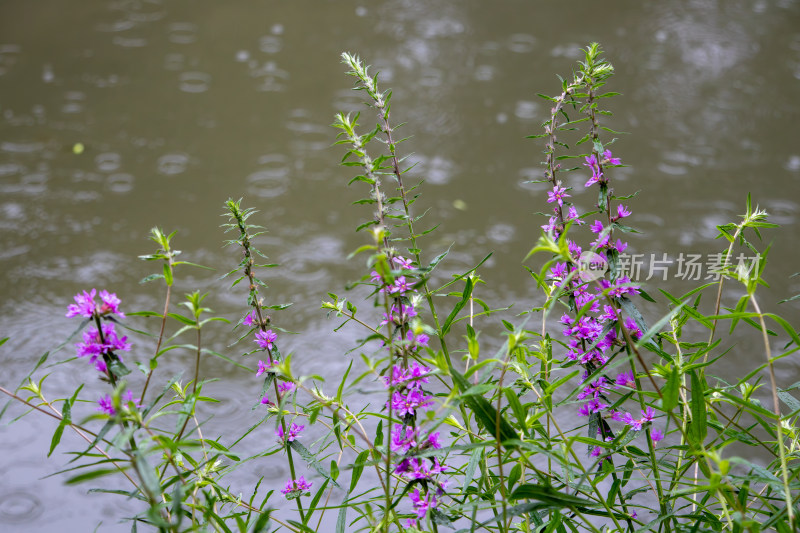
(521, 43)
(309, 134)
(434, 170)
(172, 164)
(483, 73)
(348, 101)
(9, 54)
(271, 77)
(305, 262)
(21, 147)
(18, 506)
(129, 41)
(182, 32)
(119, 182)
(526, 109)
(107, 162)
(272, 178)
(270, 44)
(194, 82)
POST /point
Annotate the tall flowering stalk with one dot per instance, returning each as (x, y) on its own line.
(397, 281)
(594, 325)
(259, 321)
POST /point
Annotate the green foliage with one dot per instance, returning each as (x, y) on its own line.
(517, 457)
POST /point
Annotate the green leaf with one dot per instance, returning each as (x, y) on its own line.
(485, 413)
(549, 496)
(65, 420)
(358, 469)
(167, 274)
(671, 391)
(459, 306)
(310, 459)
(94, 474)
(698, 428)
(786, 327)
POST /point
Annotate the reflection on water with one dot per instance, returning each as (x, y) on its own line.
(179, 107)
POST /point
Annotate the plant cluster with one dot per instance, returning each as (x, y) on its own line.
(585, 419)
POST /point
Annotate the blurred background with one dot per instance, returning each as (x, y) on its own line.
(179, 105)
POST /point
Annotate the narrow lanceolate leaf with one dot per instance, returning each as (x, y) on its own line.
(459, 306)
(358, 469)
(485, 413)
(698, 429)
(311, 460)
(65, 420)
(671, 391)
(549, 497)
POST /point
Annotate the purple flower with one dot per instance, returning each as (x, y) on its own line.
(656, 435)
(402, 262)
(106, 405)
(297, 485)
(406, 404)
(400, 286)
(558, 194)
(374, 276)
(128, 399)
(433, 441)
(572, 215)
(94, 348)
(266, 401)
(551, 225)
(597, 174)
(265, 339)
(417, 341)
(404, 438)
(648, 414)
(626, 379)
(294, 432)
(596, 226)
(83, 306)
(422, 502)
(609, 159)
(633, 329)
(262, 367)
(620, 246)
(285, 386)
(110, 304)
(249, 320)
(399, 316)
(622, 212)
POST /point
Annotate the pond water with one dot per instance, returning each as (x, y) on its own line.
(180, 105)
